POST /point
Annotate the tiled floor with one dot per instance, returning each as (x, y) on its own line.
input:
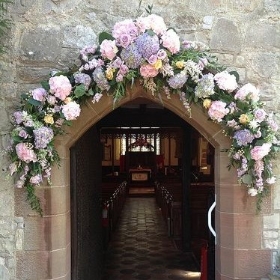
(141, 249)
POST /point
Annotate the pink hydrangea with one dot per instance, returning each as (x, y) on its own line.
(248, 91)
(226, 81)
(258, 152)
(171, 41)
(218, 110)
(71, 110)
(108, 49)
(148, 71)
(60, 86)
(39, 94)
(25, 153)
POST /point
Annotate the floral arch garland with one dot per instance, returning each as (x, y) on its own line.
(143, 49)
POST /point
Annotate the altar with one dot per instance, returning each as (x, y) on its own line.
(140, 174)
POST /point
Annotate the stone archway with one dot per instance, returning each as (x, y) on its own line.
(239, 230)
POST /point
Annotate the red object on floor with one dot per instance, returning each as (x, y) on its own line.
(204, 262)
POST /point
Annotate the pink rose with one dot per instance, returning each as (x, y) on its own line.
(60, 86)
(108, 49)
(71, 110)
(218, 110)
(25, 153)
(126, 26)
(226, 81)
(171, 41)
(161, 54)
(148, 71)
(258, 152)
(124, 40)
(39, 94)
(152, 59)
(259, 115)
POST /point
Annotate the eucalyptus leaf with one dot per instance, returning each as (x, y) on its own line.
(45, 85)
(80, 90)
(247, 179)
(105, 36)
(234, 73)
(34, 102)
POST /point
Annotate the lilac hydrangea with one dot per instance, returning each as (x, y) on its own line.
(177, 81)
(82, 78)
(243, 137)
(147, 45)
(132, 57)
(100, 79)
(43, 136)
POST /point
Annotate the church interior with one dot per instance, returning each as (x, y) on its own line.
(150, 152)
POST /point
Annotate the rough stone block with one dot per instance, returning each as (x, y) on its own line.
(79, 36)
(271, 222)
(262, 35)
(41, 44)
(226, 36)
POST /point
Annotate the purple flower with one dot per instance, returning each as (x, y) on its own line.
(124, 40)
(18, 115)
(147, 45)
(259, 115)
(36, 180)
(178, 80)
(100, 79)
(131, 56)
(39, 94)
(81, 78)
(161, 54)
(243, 137)
(23, 134)
(124, 28)
(117, 62)
(43, 137)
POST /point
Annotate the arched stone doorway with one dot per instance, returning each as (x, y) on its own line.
(239, 230)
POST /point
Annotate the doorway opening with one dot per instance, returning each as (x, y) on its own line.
(139, 146)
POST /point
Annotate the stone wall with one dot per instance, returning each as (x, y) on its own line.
(47, 35)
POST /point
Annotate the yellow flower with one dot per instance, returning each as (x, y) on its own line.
(243, 119)
(48, 119)
(207, 103)
(180, 64)
(110, 73)
(67, 100)
(158, 64)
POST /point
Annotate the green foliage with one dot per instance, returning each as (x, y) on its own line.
(105, 36)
